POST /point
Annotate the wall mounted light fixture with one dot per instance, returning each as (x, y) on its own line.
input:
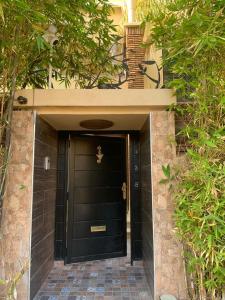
(47, 163)
(96, 124)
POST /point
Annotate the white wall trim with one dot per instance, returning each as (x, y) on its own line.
(152, 197)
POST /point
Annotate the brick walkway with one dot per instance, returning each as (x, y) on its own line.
(105, 279)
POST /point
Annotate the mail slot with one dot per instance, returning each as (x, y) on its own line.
(98, 228)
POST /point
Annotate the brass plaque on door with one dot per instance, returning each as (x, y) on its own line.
(98, 228)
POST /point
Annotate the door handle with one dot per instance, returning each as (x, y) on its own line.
(124, 190)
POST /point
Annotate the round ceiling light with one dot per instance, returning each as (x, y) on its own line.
(96, 124)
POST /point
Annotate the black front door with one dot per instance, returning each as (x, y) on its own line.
(96, 208)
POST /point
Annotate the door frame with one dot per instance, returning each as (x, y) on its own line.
(64, 140)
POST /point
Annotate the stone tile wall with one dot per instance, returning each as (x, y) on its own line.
(169, 267)
(60, 208)
(135, 198)
(146, 205)
(43, 220)
(17, 217)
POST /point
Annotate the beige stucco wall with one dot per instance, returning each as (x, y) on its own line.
(118, 18)
(155, 55)
(17, 210)
(147, 99)
(168, 261)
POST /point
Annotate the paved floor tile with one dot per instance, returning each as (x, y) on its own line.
(110, 279)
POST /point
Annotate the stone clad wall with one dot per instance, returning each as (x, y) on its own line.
(169, 267)
(60, 208)
(43, 219)
(17, 217)
(146, 206)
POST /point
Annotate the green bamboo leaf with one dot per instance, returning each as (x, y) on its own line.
(22, 187)
(40, 43)
(164, 181)
(210, 143)
(2, 12)
(166, 171)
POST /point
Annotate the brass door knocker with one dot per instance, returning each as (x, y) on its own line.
(99, 155)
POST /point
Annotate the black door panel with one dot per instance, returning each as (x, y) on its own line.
(105, 211)
(98, 178)
(83, 229)
(98, 194)
(110, 146)
(96, 248)
(97, 210)
(88, 162)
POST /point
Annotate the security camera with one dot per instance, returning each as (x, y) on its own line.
(55, 41)
(50, 35)
(51, 39)
(52, 29)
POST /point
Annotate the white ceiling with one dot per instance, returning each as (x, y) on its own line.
(71, 122)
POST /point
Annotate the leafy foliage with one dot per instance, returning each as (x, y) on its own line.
(82, 54)
(85, 35)
(146, 7)
(10, 285)
(192, 35)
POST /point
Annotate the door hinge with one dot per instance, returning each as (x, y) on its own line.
(67, 216)
(69, 139)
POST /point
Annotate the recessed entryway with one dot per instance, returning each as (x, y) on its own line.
(96, 181)
(97, 177)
